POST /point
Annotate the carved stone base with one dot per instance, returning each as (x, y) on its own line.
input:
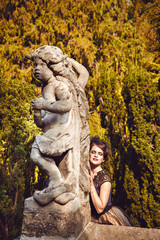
(54, 221)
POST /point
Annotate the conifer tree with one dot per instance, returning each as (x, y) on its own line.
(17, 131)
(117, 41)
(126, 68)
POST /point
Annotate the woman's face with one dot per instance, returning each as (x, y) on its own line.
(96, 156)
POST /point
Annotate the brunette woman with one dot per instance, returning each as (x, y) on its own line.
(102, 210)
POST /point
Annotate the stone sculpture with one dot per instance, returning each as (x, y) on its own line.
(62, 112)
(62, 151)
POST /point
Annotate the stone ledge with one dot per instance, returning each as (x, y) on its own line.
(95, 231)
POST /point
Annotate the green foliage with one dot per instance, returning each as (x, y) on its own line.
(17, 131)
(118, 42)
(141, 97)
(126, 95)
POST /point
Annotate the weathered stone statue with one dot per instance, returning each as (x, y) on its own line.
(61, 211)
(62, 151)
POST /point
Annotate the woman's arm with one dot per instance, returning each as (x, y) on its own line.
(100, 201)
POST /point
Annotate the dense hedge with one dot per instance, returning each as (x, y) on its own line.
(118, 42)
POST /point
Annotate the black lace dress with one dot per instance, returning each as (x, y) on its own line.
(111, 215)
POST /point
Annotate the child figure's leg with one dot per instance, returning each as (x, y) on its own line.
(57, 190)
(47, 165)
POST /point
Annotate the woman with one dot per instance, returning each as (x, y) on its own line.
(102, 210)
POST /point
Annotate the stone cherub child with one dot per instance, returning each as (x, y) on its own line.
(54, 112)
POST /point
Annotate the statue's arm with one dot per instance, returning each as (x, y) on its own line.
(62, 104)
(38, 118)
(83, 73)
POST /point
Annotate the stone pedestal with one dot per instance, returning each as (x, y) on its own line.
(54, 221)
(95, 231)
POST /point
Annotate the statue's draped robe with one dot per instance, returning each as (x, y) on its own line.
(73, 133)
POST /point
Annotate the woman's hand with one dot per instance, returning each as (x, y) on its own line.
(91, 178)
(92, 187)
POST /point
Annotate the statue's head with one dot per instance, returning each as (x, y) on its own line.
(48, 54)
(54, 59)
(45, 59)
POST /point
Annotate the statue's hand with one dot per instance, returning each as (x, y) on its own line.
(38, 103)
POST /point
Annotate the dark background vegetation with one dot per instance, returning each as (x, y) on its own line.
(118, 42)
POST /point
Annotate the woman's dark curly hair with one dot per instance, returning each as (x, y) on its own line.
(102, 145)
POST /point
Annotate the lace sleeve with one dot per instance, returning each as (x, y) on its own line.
(101, 178)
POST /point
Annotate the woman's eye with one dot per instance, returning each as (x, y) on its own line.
(100, 154)
(93, 152)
